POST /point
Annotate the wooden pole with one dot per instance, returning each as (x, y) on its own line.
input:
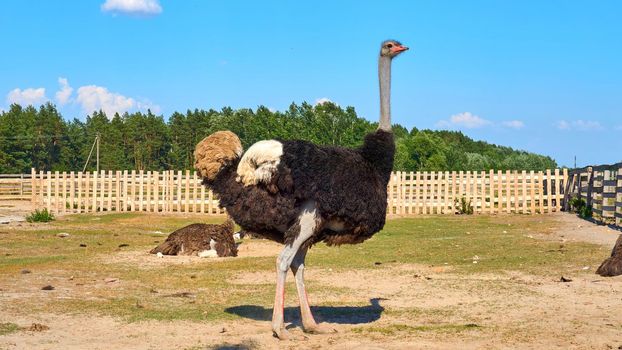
(524, 192)
(156, 176)
(141, 189)
(424, 193)
(532, 194)
(110, 189)
(549, 196)
(179, 182)
(540, 191)
(500, 190)
(618, 201)
(33, 185)
(133, 190)
(148, 194)
(117, 202)
(558, 188)
(124, 189)
(467, 187)
(72, 190)
(105, 190)
(446, 199)
(87, 189)
(80, 203)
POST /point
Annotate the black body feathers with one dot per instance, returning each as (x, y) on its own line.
(612, 266)
(194, 238)
(347, 185)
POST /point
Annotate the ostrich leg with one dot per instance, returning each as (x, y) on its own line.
(308, 221)
(308, 322)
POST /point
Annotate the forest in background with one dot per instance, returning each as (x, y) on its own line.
(43, 139)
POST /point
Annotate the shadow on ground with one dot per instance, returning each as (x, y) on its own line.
(330, 314)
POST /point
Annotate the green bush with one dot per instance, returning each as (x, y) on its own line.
(579, 206)
(463, 206)
(40, 216)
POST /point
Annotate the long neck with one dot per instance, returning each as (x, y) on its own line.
(384, 76)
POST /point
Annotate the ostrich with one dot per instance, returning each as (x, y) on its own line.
(197, 238)
(299, 194)
(612, 266)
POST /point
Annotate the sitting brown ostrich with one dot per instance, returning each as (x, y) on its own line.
(196, 238)
(298, 193)
(612, 266)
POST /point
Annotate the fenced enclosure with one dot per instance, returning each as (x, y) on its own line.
(486, 192)
(15, 186)
(122, 191)
(601, 189)
(409, 193)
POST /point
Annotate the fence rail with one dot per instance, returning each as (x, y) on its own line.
(15, 186)
(601, 188)
(488, 192)
(409, 193)
(122, 191)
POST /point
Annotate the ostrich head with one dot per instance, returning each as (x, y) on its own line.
(391, 48)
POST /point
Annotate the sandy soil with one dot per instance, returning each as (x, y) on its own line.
(14, 211)
(508, 310)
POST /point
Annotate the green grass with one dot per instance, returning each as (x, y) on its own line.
(447, 241)
(8, 328)
(454, 241)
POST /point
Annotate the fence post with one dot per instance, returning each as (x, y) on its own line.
(549, 196)
(33, 186)
(79, 196)
(148, 193)
(87, 185)
(424, 193)
(532, 194)
(590, 184)
(618, 201)
(508, 193)
(557, 190)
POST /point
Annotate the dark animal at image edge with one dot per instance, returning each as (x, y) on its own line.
(612, 266)
(195, 238)
(299, 194)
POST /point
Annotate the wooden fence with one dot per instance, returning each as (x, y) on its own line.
(15, 186)
(601, 188)
(488, 192)
(122, 191)
(409, 193)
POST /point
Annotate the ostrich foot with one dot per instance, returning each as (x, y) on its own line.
(283, 334)
(319, 329)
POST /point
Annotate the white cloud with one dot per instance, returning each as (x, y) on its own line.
(133, 7)
(580, 124)
(321, 101)
(514, 124)
(466, 119)
(63, 95)
(26, 97)
(563, 125)
(94, 98)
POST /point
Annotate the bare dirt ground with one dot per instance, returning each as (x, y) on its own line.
(14, 211)
(410, 306)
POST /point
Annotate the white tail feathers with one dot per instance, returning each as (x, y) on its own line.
(260, 162)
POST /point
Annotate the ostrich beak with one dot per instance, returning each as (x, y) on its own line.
(398, 49)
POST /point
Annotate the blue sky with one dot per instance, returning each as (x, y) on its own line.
(544, 76)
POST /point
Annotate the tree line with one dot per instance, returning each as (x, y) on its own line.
(43, 139)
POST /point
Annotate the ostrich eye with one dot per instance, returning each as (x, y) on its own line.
(389, 45)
